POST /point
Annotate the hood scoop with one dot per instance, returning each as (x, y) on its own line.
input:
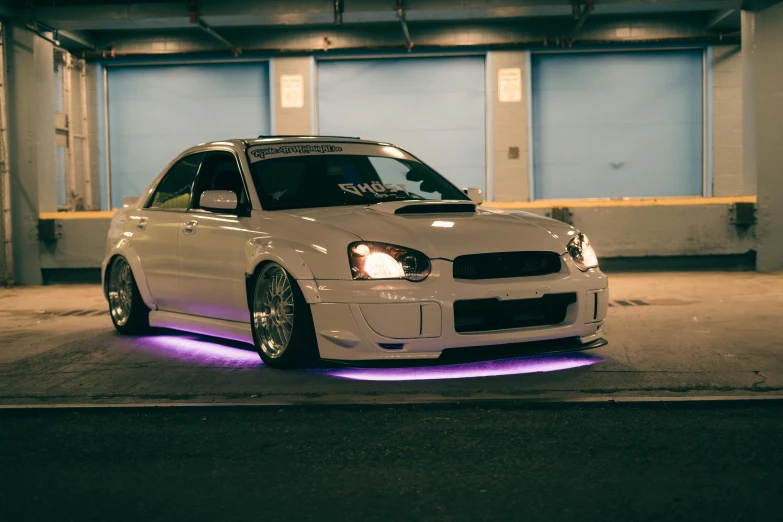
(425, 207)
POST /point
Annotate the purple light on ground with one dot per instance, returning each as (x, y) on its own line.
(518, 366)
(199, 351)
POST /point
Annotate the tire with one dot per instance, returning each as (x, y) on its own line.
(281, 320)
(127, 309)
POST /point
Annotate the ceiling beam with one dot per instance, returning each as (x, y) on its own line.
(238, 13)
(718, 17)
(67, 39)
(77, 39)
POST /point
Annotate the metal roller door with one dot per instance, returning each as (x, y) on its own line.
(157, 111)
(433, 107)
(613, 125)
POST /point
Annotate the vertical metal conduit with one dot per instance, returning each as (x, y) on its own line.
(6, 258)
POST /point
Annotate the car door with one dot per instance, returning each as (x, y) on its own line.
(212, 245)
(154, 229)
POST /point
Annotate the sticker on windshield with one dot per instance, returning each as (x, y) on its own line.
(259, 153)
(375, 188)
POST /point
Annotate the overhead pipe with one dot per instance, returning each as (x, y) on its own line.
(6, 254)
(580, 19)
(405, 33)
(195, 18)
(338, 12)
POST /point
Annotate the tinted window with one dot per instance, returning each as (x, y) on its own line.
(220, 171)
(337, 179)
(173, 192)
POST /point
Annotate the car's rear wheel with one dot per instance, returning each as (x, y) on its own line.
(281, 320)
(128, 312)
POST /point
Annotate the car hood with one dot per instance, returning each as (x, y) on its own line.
(447, 235)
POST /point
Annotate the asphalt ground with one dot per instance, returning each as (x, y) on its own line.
(680, 461)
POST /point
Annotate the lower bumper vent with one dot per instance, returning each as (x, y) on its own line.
(484, 315)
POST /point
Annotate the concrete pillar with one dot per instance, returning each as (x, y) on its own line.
(769, 135)
(24, 176)
(94, 108)
(748, 99)
(728, 175)
(509, 158)
(30, 96)
(292, 111)
(43, 118)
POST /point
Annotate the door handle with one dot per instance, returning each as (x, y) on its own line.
(142, 224)
(190, 227)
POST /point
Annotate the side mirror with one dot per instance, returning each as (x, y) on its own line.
(218, 200)
(475, 194)
(127, 201)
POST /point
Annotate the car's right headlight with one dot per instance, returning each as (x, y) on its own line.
(582, 253)
(372, 260)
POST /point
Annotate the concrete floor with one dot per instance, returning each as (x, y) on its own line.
(696, 335)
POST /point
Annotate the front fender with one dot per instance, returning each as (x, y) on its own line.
(266, 250)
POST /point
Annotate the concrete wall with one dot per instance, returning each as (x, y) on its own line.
(509, 139)
(769, 135)
(292, 120)
(677, 230)
(80, 243)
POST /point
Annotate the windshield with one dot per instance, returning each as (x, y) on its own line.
(343, 179)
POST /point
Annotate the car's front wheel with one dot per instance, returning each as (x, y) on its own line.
(128, 312)
(281, 321)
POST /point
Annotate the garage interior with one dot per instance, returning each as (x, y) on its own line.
(655, 127)
(584, 134)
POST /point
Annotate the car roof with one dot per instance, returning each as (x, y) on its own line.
(262, 140)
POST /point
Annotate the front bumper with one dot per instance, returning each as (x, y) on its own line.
(372, 320)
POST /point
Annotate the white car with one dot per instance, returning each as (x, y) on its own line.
(343, 249)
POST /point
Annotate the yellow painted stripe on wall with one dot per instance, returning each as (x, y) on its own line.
(87, 214)
(641, 202)
(545, 203)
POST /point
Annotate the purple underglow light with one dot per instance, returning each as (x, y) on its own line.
(202, 352)
(497, 368)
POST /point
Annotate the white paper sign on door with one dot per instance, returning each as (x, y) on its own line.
(291, 91)
(510, 85)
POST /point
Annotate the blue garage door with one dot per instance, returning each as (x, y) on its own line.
(617, 124)
(432, 107)
(156, 112)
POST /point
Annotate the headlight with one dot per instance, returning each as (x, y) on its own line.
(582, 253)
(381, 261)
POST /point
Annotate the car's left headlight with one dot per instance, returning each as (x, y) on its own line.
(582, 253)
(371, 260)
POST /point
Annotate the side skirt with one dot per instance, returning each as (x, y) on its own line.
(202, 325)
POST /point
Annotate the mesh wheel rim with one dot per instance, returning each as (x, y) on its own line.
(273, 311)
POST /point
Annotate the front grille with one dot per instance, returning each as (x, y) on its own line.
(484, 315)
(506, 264)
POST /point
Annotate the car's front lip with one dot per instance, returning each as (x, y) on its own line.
(344, 331)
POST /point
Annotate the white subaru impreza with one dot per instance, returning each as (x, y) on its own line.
(343, 249)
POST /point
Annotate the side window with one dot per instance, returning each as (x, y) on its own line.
(173, 192)
(220, 171)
